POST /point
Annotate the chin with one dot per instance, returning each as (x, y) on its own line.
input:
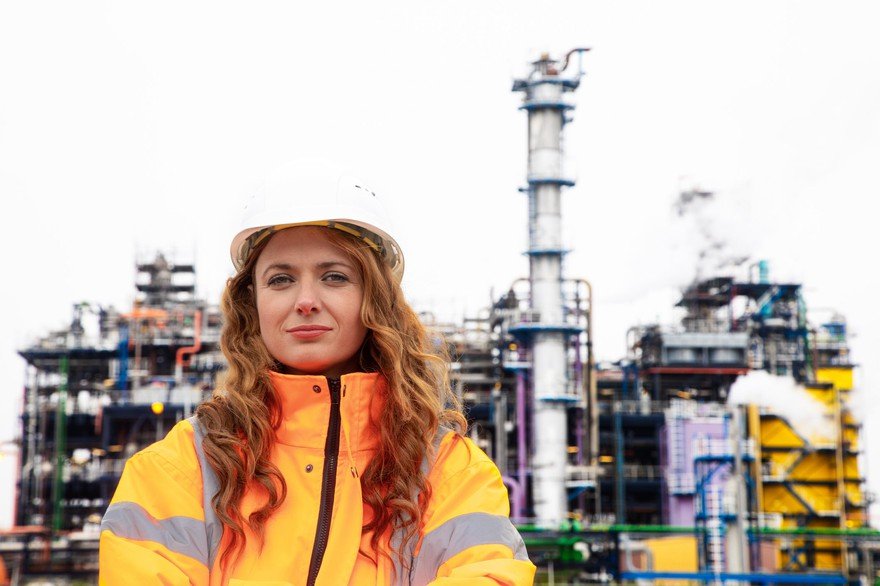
(316, 365)
(304, 368)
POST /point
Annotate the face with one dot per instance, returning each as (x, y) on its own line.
(309, 295)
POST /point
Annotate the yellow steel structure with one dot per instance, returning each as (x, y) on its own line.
(674, 554)
(839, 376)
(811, 477)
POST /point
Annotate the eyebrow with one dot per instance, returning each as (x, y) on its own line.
(283, 266)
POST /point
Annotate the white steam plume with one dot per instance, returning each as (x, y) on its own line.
(717, 230)
(784, 397)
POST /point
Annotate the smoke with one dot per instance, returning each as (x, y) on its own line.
(717, 230)
(859, 403)
(783, 396)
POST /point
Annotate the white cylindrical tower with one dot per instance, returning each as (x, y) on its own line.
(547, 333)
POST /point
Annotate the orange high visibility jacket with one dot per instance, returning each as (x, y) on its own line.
(160, 527)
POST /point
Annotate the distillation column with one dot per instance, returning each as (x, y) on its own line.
(549, 334)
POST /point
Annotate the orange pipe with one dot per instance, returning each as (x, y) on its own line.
(197, 345)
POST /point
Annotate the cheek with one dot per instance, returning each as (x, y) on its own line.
(270, 309)
(350, 317)
(353, 311)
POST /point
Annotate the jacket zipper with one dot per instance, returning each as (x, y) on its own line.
(328, 483)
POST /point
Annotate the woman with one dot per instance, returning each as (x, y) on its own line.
(327, 457)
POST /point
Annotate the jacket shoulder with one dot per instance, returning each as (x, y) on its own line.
(464, 478)
(457, 455)
(172, 459)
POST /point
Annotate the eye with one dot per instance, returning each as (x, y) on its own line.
(277, 281)
(335, 278)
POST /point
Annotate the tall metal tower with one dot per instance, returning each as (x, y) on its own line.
(549, 332)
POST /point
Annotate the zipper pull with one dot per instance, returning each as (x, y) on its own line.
(335, 385)
(354, 472)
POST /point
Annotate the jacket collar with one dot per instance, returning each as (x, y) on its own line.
(306, 411)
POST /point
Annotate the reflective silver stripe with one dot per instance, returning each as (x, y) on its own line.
(460, 533)
(183, 535)
(210, 487)
(402, 572)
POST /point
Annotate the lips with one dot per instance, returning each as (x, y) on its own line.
(308, 328)
(306, 332)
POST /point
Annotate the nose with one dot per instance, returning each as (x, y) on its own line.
(307, 300)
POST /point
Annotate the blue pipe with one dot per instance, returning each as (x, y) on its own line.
(763, 271)
(748, 577)
(766, 310)
(620, 509)
(630, 375)
(122, 347)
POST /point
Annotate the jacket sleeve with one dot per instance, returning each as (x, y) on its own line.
(154, 529)
(468, 538)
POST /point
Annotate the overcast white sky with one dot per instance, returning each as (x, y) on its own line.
(131, 126)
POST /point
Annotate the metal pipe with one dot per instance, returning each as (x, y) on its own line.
(582, 422)
(122, 349)
(737, 543)
(580, 51)
(629, 546)
(591, 408)
(521, 446)
(185, 351)
(499, 403)
(755, 432)
(579, 381)
(841, 479)
(517, 498)
(136, 378)
(751, 578)
(619, 496)
(754, 427)
(522, 422)
(32, 488)
(590, 381)
(60, 446)
(631, 346)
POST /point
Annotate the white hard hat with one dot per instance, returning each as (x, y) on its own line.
(316, 193)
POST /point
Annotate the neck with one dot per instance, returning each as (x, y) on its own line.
(352, 365)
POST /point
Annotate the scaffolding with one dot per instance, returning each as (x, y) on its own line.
(98, 391)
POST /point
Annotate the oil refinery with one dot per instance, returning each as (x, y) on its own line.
(683, 462)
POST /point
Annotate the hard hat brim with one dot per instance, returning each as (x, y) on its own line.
(381, 243)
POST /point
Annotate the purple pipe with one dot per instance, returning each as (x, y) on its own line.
(579, 425)
(516, 496)
(522, 451)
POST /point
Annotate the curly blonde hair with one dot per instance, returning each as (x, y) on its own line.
(241, 419)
